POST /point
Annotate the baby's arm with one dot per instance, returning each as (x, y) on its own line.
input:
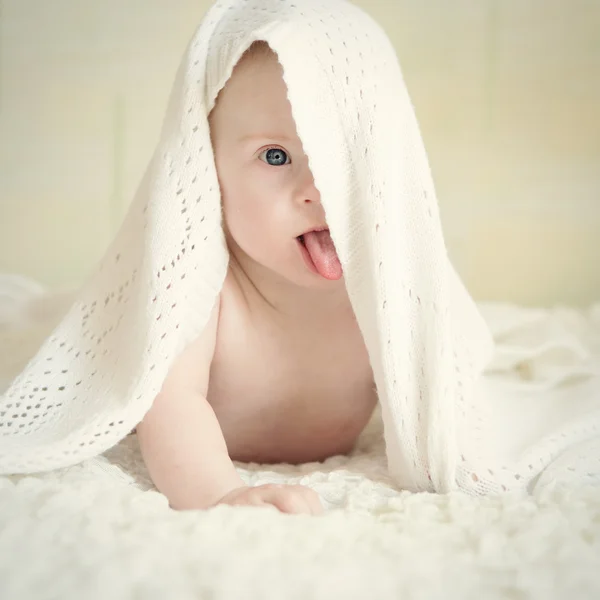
(185, 452)
(180, 438)
(184, 448)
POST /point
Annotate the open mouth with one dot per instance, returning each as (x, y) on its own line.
(315, 230)
(306, 254)
(319, 253)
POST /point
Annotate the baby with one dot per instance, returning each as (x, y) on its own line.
(281, 372)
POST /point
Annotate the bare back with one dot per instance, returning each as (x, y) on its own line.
(288, 392)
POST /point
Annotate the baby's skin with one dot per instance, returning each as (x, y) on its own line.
(281, 373)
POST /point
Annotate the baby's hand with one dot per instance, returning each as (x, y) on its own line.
(292, 499)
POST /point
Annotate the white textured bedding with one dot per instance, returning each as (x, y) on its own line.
(98, 530)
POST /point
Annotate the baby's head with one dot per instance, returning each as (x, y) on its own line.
(268, 191)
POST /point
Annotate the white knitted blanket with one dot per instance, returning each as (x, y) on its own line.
(446, 426)
(93, 530)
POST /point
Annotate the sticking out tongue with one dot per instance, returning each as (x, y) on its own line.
(322, 252)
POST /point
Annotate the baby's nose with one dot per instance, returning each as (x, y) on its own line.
(313, 198)
(309, 193)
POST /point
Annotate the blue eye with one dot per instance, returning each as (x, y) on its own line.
(276, 157)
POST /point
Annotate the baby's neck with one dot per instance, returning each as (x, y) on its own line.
(285, 302)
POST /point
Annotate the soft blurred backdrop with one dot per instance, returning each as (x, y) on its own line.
(507, 93)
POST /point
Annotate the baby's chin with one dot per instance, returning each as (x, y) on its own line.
(316, 282)
(295, 265)
(286, 266)
(299, 274)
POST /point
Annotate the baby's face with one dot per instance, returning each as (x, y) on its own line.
(268, 192)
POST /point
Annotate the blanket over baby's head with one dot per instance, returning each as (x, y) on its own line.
(96, 377)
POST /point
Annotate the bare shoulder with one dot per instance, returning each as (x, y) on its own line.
(191, 369)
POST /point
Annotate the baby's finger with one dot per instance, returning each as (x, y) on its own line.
(286, 502)
(312, 498)
(246, 500)
(314, 501)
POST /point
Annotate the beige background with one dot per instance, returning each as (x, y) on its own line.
(507, 93)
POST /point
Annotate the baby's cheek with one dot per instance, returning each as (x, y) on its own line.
(245, 224)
